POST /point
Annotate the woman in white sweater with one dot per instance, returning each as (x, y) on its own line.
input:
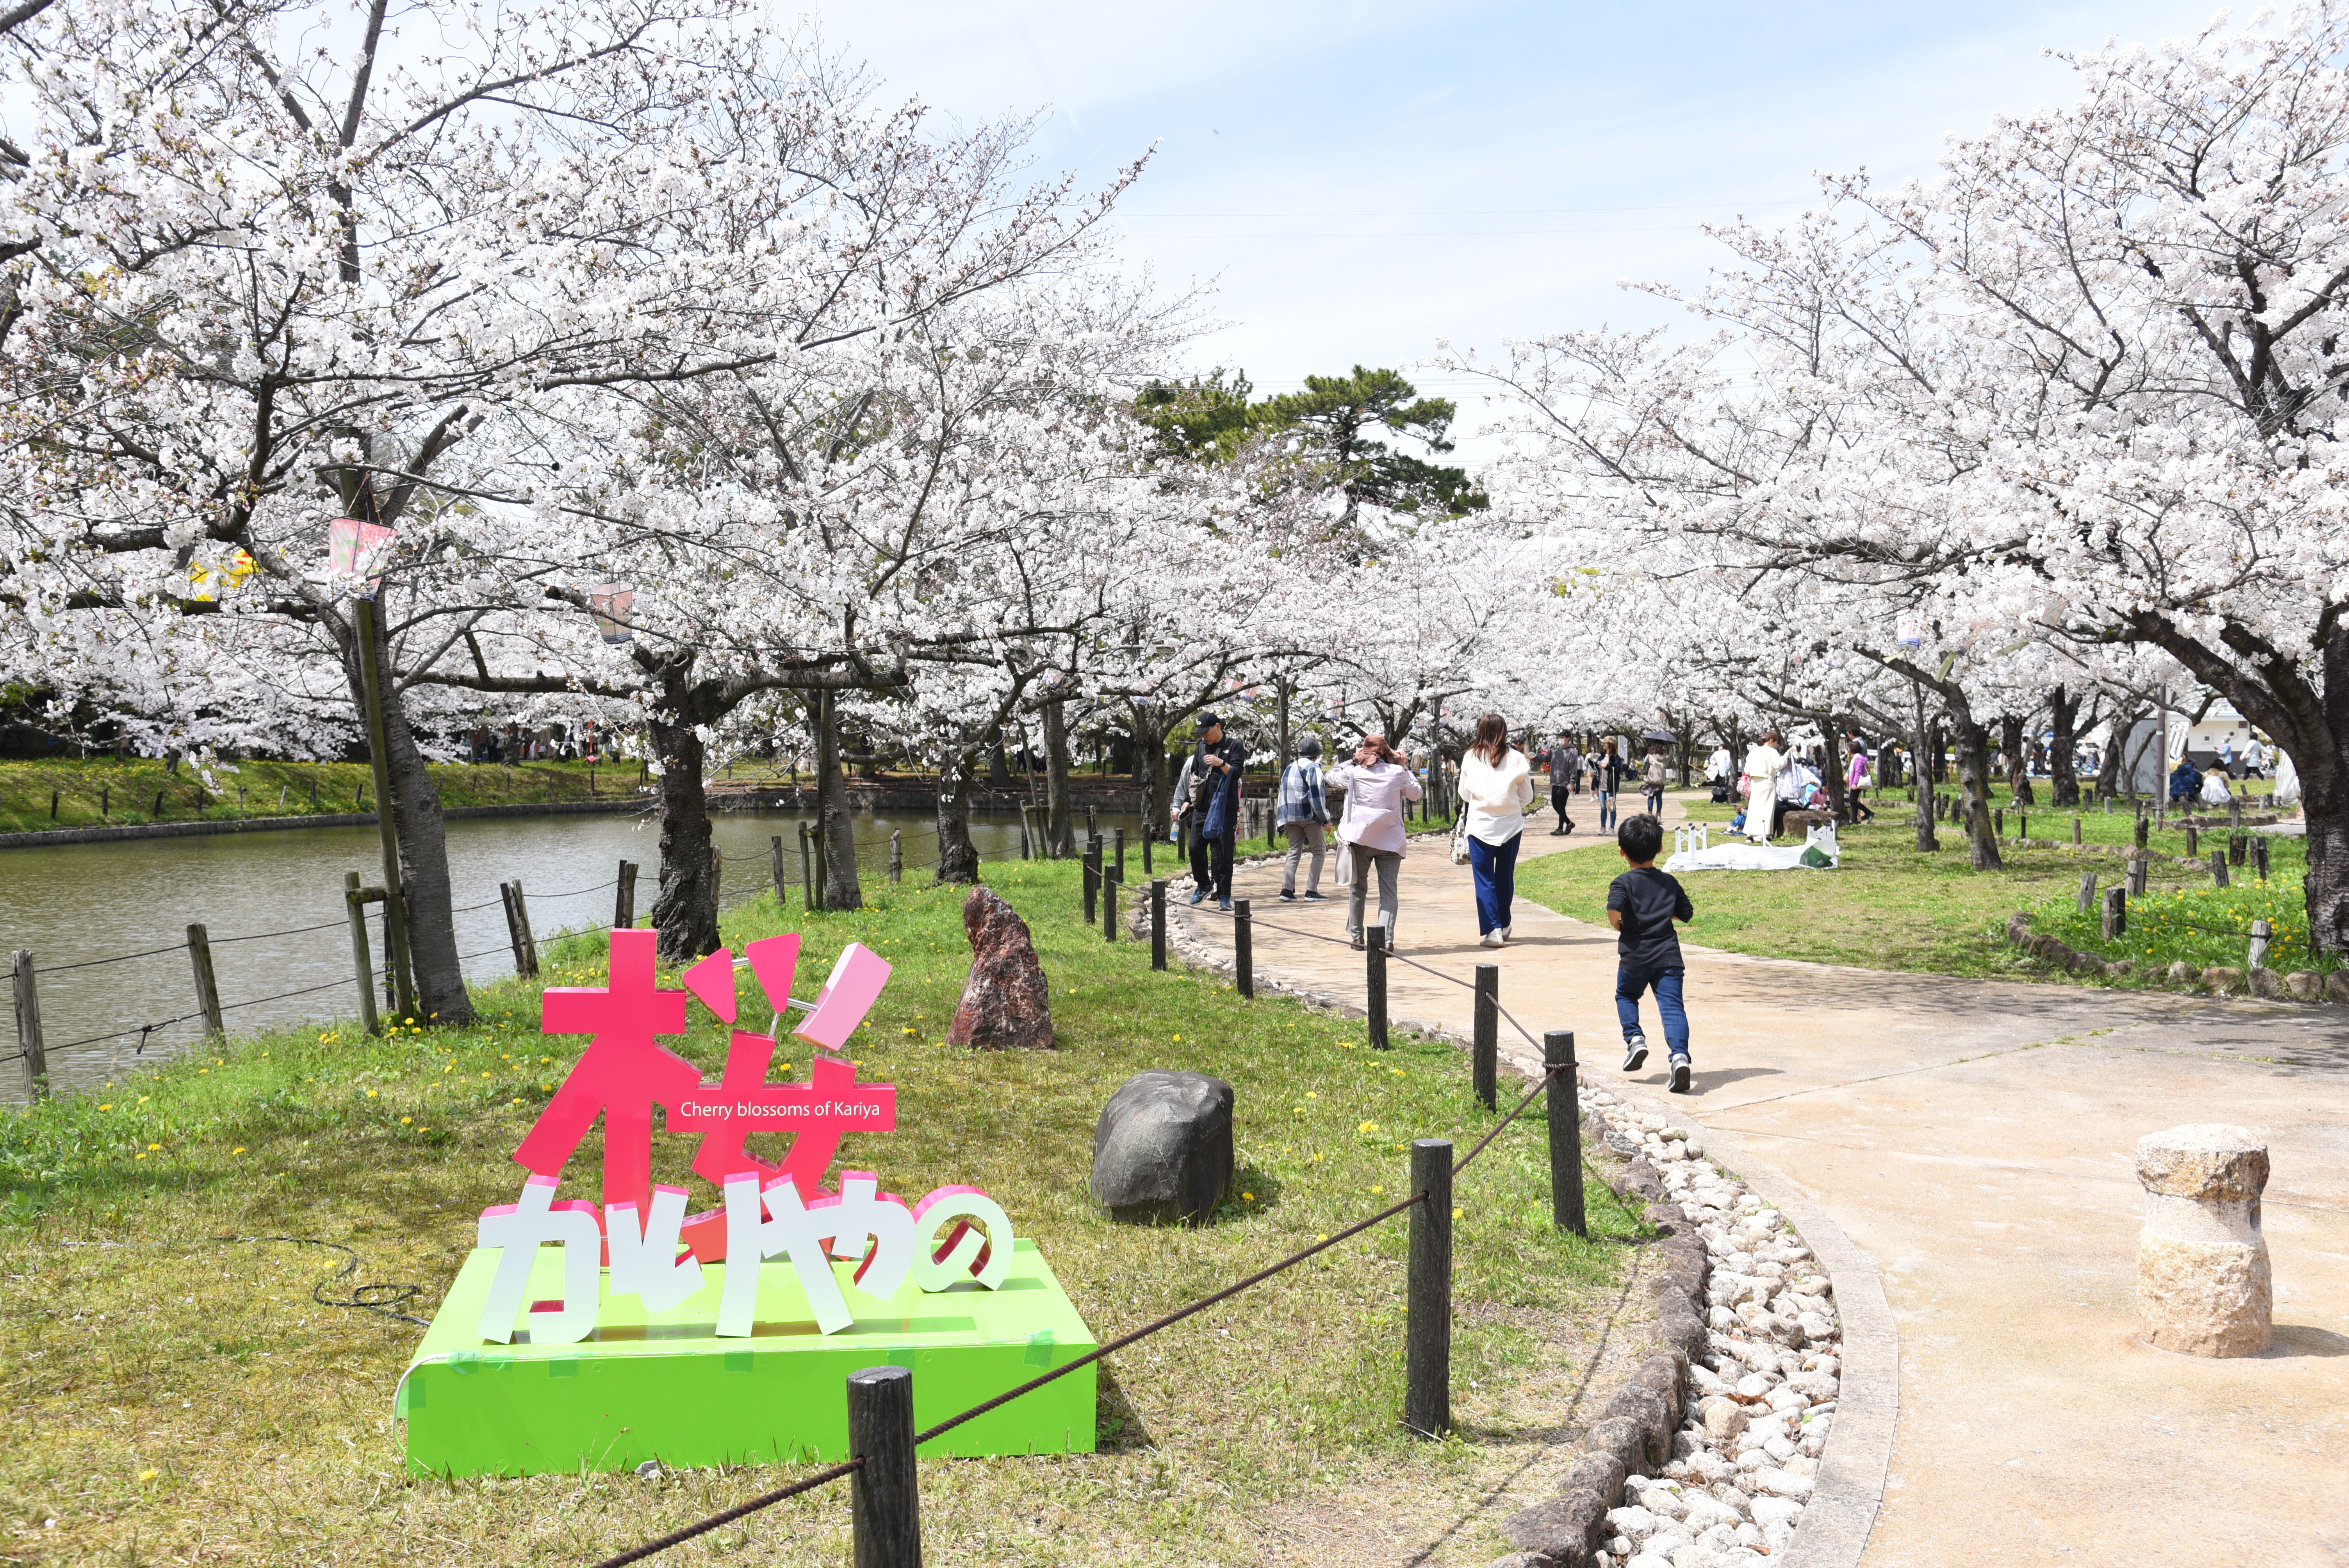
(1495, 785)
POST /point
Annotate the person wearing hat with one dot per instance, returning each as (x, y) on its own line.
(1214, 810)
(1301, 812)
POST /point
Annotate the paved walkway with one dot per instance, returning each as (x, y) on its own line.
(1976, 1140)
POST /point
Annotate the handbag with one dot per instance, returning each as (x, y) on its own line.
(1460, 836)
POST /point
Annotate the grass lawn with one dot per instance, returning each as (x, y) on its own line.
(1889, 907)
(177, 1394)
(104, 791)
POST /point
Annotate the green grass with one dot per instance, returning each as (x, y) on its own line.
(176, 1393)
(105, 792)
(1889, 907)
(2203, 925)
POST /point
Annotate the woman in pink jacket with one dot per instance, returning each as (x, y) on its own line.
(1376, 784)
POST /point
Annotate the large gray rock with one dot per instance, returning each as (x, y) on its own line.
(1163, 1149)
(1006, 1002)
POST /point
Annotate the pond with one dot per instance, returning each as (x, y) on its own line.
(271, 904)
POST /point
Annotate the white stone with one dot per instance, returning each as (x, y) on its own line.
(1815, 1326)
(1751, 1464)
(1719, 1538)
(1784, 1399)
(1634, 1521)
(1785, 1483)
(1706, 1511)
(1648, 1560)
(1749, 1535)
(1778, 1536)
(1724, 1419)
(1619, 1546)
(1775, 1512)
(1710, 1466)
(1779, 1448)
(1737, 1501)
(1754, 1386)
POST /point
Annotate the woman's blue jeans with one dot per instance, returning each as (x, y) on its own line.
(1496, 870)
(1630, 981)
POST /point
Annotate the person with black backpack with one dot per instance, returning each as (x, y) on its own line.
(1564, 762)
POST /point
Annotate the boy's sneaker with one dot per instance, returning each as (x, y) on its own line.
(1225, 904)
(1198, 896)
(1680, 1075)
(1635, 1053)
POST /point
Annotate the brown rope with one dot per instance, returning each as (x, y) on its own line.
(703, 1527)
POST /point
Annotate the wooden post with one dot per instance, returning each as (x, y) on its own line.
(2259, 856)
(1158, 923)
(2258, 956)
(2137, 870)
(1149, 840)
(2238, 848)
(355, 900)
(1427, 1327)
(623, 898)
(102, 800)
(807, 873)
(2193, 835)
(782, 881)
(885, 1493)
(2022, 825)
(2140, 829)
(1374, 975)
(822, 856)
(896, 855)
(1243, 947)
(2235, 811)
(1108, 906)
(1092, 828)
(2075, 829)
(1027, 848)
(2116, 920)
(1092, 874)
(31, 1051)
(1565, 1106)
(1121, 853)
(53, 804)
(1484, 1059)
(2219, 867)
(158, 811)
(1998, 822)
(521, 924)
(200, 954)
(2087, 892)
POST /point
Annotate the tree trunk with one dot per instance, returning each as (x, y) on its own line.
(1974, 786)
(2064, 788)
(1149, 774)
(958, 857)
(2111, 766)
(841, 888)
(423, 841)
(1922, 742)
(1060, 810)
(685, 909)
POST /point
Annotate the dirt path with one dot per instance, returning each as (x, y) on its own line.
(1975, 1140)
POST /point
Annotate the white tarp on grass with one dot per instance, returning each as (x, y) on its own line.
(1694, 851)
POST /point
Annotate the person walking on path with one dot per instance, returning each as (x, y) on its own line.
(1301, 812)
(1214, 809)
(1641, 905)
(1762, 766)
(1854, 779)
(1607, 781)
(1495, 785)
(1564, 763)
(1654, 774)
(1377, 784)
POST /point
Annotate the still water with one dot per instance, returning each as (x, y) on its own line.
(73, 903)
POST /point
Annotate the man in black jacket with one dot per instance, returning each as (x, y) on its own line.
(1213, 812)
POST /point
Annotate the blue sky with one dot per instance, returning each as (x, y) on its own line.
(1356, 180)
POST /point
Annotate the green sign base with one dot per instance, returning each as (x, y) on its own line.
(663, 1385)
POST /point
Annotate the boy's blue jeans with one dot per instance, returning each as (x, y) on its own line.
(1630, 981)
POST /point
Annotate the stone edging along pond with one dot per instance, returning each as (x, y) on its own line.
(202, 827)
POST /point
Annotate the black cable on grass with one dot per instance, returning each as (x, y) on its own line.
(382, 1299)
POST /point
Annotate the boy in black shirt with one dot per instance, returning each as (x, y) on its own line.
(1642, 903)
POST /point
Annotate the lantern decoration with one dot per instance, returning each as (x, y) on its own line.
(609, 603)
(359, 553)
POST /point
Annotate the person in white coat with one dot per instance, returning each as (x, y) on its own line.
(1495, 785)
(1377, 784)
(1762, 766)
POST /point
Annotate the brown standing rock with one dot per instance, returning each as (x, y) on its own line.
(2203, 1283)
(1007, 1002)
